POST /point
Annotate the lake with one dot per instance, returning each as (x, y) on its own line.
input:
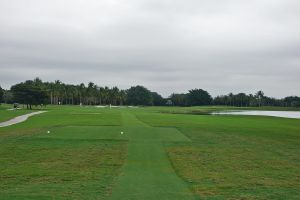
(285, 114)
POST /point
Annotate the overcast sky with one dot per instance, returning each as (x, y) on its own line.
(166, 45)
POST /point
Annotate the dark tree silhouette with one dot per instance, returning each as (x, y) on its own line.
(198, 97)
(1, 95)
(158, 100)
(179, 99)
(29, 93)
(38, 92)
(139, 95)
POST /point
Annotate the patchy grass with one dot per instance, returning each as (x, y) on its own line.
(80, 165)
(235, 157)
(161, 155)
(59, 169)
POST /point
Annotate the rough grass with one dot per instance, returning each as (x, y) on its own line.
(218, 157)
(59, 169)
(235, 157)
(35, 166)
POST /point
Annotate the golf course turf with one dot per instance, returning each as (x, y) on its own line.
(73, 152)
(7, 114)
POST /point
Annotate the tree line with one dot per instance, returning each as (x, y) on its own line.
(36, 92)
(258, 99)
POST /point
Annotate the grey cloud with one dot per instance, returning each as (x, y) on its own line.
(168, 46)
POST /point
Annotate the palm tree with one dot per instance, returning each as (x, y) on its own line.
(82, 93)
(101, 95)
(106, 95)
(114, 92)
(57, 92)
(122, 97)
(259, 96)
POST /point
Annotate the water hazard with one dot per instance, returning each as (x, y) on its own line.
(285, 114)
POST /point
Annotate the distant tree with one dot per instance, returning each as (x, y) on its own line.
(61, 93)
(122, 97)
(198, 97)
(114, 95)
(252, 100)
(139, 95)
(8, 96)
(230, 99)
(56, 91)
(106, 95)
(29, 93)
(259, 97)
(178, 99)
(292, 101)
(1, 95)
(91, 92)
(241, 99)
(82, 93)
(158, 100)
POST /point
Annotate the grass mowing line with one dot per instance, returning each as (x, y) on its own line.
(148, 173)
(167, 127)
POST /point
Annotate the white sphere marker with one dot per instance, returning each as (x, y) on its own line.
(48, 131)
(121, 132)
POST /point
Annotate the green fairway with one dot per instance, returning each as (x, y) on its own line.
(148, 174)
(236, 157)
(159, 155)
(38, 165)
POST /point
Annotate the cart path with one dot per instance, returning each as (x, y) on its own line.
(19, 119)
(148, 173)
